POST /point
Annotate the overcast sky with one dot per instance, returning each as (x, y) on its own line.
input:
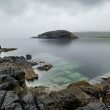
(25, 18)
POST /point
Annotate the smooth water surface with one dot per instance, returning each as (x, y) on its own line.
(72, 61)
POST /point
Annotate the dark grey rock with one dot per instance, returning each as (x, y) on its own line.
(19, 75)
(94, 106)
(2, 96)
(45, 67)
(11, 102)
(29, 102)
(7, 82)
(11, 75)
(7, 86)
(58, 34)
(28, 57)
(33, 63)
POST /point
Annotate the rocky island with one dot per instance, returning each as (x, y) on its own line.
(15, 95)
(58, 34)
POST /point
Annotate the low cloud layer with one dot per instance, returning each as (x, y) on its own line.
(19, 6)
(24, 18)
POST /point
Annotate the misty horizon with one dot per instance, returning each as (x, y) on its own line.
(26, 18)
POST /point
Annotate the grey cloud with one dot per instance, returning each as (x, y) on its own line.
(13, 6)
(20, 6)
(72, 3)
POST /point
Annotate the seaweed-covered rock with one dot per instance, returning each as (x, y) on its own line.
(58, 34)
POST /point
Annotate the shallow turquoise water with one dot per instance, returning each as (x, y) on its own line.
(81, 59)
(62, 72)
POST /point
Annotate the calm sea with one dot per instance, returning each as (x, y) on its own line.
(81, 59)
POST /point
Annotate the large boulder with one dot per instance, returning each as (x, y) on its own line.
(94, 106)
(58, 34)
(12, 75)
(2, 96)
(18, 63)
(29, 102)
(11, 102)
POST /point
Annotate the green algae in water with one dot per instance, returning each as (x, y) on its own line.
(63, 72)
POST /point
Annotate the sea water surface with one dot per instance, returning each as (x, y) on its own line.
(81, 59)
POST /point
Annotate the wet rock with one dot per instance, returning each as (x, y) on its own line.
(11, 102)
(106, 94)
(33, 63)
(30, 103)
(18, 63)
(2, 96)
(45, 67)
(94, 106)
(12, 75)
(30, 76)
(68, 99)
(7, 86)
(58, 34)
(79, 85)
(80, 95)
(19, 75)
(1, 60)
(7, 82)
(28, 57)
(7, 49)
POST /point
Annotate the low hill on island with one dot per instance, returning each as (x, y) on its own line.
(58, 34)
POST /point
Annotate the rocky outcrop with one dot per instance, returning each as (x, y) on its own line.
(7, 49)
(12, 82)
(11, 102)
(94, 106)
(28, 57)
(45, 67)
(77, 96)
(19, 63)
(58, 34)
(80, 96)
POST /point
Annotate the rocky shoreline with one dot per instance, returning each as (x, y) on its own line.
(19, 63)
(7, 49)
(15, 95)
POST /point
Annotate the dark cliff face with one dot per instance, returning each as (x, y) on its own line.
(58, 34)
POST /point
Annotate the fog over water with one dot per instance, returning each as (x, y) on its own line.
(25, 18)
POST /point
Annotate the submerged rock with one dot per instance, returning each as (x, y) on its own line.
(45, 67)
(58, 34)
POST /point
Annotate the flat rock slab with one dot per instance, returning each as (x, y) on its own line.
(7, 49)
